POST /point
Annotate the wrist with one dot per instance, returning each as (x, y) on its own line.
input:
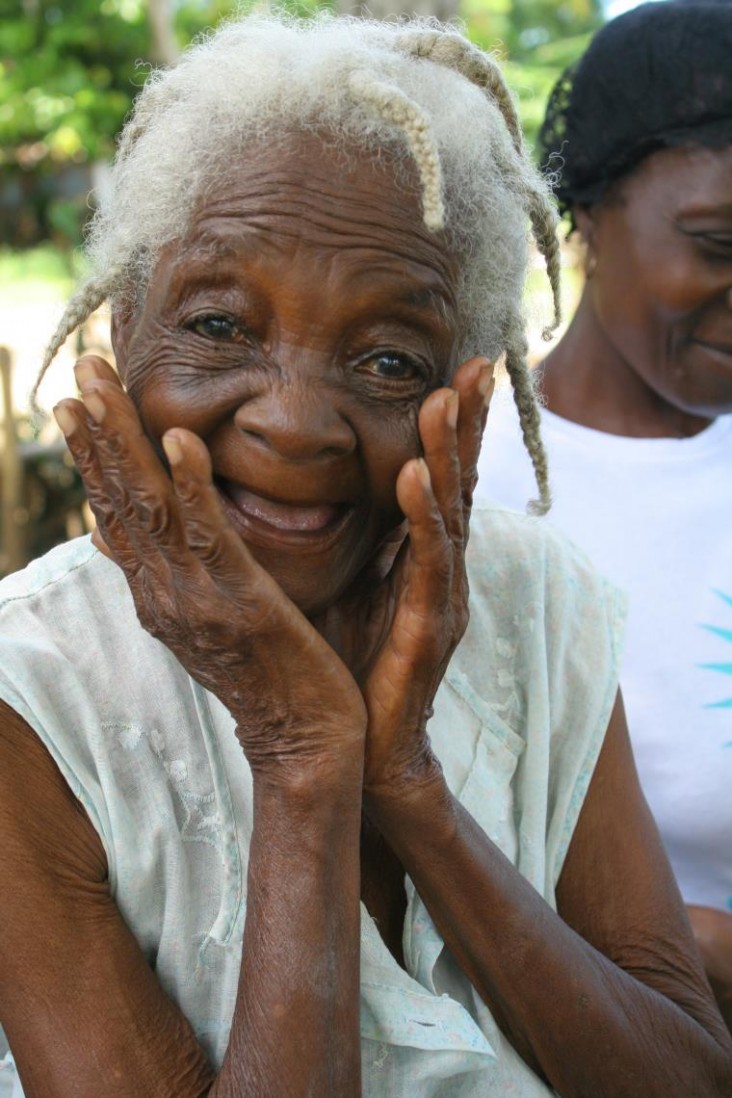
(407, 791)
(309, 776)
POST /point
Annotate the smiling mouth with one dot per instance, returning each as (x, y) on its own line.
(296, 520)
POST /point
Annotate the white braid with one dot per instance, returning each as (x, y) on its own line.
(457, 53)
(87, 298)
(395, 107)
(460, 55)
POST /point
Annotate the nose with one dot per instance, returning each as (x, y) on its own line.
(296, 421)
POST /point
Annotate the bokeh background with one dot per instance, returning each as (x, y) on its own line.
(69, 72)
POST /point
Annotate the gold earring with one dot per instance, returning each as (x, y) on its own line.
(590, 264)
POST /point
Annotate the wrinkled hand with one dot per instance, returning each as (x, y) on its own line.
(197, 588)
(407, 626)
(713, 931)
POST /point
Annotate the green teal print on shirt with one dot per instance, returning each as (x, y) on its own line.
(723, 668)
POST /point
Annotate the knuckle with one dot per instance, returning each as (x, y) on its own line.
(154, 515)
(206, 544)
(114, 442)
(85, 462)
(189, 492)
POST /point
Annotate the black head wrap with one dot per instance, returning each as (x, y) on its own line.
(656, 77)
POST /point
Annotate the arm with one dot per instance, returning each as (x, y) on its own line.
(83, 1010)
(301, 722)
(617, 961)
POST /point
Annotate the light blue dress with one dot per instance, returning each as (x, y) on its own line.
(518, 724)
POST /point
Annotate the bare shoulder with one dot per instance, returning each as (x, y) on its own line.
(43, 827)
(80, 1006)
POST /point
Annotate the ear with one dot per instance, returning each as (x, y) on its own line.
(586, 220)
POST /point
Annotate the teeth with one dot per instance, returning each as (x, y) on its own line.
(283, 516)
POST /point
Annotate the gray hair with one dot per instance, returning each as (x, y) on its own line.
(417, 89)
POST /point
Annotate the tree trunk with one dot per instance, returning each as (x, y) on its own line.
(163, 46)
(382, 9)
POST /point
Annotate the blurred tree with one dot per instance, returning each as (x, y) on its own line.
(69, 70)
(163, 46)
(536, 40)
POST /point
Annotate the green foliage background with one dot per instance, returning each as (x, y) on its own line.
(69, 71)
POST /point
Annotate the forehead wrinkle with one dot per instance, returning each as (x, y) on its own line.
(216, 254)
(342, 211)
(321, 231)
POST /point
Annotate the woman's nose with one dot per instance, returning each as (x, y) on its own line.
(297, 422)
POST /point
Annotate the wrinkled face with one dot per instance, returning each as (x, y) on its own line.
(662, 289)
(297, 329)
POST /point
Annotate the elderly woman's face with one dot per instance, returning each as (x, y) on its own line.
(297, 329)
(663, 284)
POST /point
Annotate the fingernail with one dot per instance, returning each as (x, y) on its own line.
(173, 452)
(95, 406)
(85, 370)
(423, 473)
(452, 406)
(65, 420)
(486, 382)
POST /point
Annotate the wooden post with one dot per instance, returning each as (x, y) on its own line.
(12, 554)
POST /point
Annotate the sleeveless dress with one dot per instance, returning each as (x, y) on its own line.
(518, 724)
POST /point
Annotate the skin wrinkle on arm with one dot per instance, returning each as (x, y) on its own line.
(656, 1018)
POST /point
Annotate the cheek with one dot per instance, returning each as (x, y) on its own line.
(169, 395)
(387, 442)
(644, 299)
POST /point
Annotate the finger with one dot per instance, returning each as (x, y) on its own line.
(92, 367)
(429, 566)
(474, 381)
(207, 532)
(134, 478)
(77, 428)
(438, 419)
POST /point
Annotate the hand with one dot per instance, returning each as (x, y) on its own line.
(197, 588)
(404, 628)
(713, 931)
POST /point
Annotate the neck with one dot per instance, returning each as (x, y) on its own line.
(585, 379)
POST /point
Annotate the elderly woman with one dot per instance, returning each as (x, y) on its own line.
(273, 822)
(638, 395)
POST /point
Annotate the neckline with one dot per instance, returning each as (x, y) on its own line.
(712, 437)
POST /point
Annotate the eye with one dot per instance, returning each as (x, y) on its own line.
(715, 243)
(213, 326)
(393, 366)
(721, 241)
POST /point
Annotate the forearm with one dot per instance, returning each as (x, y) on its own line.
(586, 1025)
(295, 1029)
